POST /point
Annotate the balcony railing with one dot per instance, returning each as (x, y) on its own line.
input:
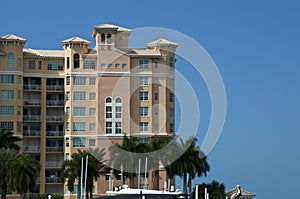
(53, 180)
(54, 133)
(32, 86)
(31, 133)
(55, 102)
(55, 118)
(53, 164)
(32, 102)
(54, 149)
(31, 149)
(32, 117)
(55, 87)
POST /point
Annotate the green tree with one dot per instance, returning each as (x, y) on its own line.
(215, 189)
(22, 172)
(71, 170)
(5, 155)
(191, 163)
(8, 140)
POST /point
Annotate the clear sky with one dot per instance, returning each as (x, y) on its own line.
(256, 47)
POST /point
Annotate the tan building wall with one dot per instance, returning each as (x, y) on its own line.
(46, 106)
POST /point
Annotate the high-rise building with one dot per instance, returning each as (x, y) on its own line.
(60, 101)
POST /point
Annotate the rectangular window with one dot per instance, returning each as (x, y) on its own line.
(19, 94)
(124, 65)
(143, 95)
(108, 112)
(92, 127)
(79, 126)
(7, 125)
(89, 64)
(19, 62)
(19, 110)
(155, 96)
(19, 79)
(79, 111)
(143, 126)
(92, 81)
(171, 83)
(156, 110)
(118, 127)
(103, 66)
(7, 95)
(92, 142)
(156, 64)
(117, 65)
(118, 111)
(55, 66)
(68, 80)
(67, 111)
(78, 142)
(40, 65)
(79, 81)
(7, 79)
(108, 127)
(92, 96)
(144, 111)
(68, 126)
(67, 158)
(171, 112)
(143, 81)
(171, 128)
(79, 96)
(109, 66)
(143, 64)
(171, 97)
(7, 110)
(92, 111)
(31, 64)
(67, 142)
(107, 175)
(68, 96)
(156, 126)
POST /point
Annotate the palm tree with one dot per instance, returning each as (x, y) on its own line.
(22, 172)
(5, 155)
(71, 170)
(8, 140)
(192, 162)
(215, 189)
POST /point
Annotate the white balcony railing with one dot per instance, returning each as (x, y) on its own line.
(53, 164)
(55, 118)
(31, 133)
(31, 117)
(54, 149)
(32, 102)
(54, 133)
(32, 87)
(31, 149)
(55, 87)
(55, 102)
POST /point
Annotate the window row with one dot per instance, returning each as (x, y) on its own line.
(80, 111)
(117, 65)
(81, 126)
(51, 65)
(80, 96)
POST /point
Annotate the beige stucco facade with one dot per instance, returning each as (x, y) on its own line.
(60, 101)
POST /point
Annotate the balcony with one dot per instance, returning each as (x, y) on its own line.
(53, 164)
(55, 103)
(53, 180)
(31, 149)
(54, 149)
(55, 87)
(32, 102)
(54, 133)
(32, 117)
(55, 118)
(32, 86)
(31, 133)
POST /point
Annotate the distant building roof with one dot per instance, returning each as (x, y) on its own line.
(13, 38)
(144, 52)
(245, 194)
(76, 40)
(109, 27)
(161, 41)
(43, 53)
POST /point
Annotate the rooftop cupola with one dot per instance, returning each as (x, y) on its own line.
(162, 44)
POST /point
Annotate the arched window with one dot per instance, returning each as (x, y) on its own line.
(76, 60)
(108, 38)
(118, 100)
(108, 100)
(10, 60)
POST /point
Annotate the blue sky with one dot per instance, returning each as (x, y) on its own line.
(256, 47)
